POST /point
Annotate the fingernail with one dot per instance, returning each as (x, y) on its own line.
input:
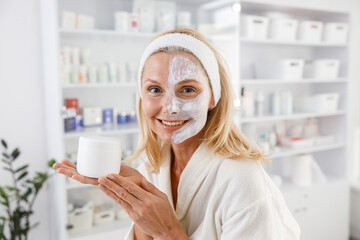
(111, 177)
(101, 180)
(101, 186)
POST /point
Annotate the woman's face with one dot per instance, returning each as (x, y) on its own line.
(176, 95)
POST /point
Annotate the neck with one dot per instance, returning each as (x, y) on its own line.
(181, 153)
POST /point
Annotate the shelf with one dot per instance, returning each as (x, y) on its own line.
(295, 81)
(113, 129)
(117, 228)
(291, 117)
(291, 43)
(102, 32)
(286, 152)
(98, 85)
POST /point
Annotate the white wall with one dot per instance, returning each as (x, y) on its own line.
(21, 93)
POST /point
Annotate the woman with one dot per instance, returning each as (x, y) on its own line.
(200, 178)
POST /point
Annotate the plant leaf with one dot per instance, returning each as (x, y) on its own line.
(26, 194)
(8, 169)
(15, 153)
(3, 194)
(6, 155)
(22, 175)
(10, 188)
(51, 162)
(3, 142)
(37, 187)
(21, 168)
(5, 161)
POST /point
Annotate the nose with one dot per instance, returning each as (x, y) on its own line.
(172, 106)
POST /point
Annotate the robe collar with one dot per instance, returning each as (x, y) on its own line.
(193, 175)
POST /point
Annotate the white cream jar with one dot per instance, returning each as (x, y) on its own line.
(98, 156)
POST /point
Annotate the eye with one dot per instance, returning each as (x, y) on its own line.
(188, 90)
(154, 90)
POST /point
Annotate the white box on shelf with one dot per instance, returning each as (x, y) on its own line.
(292, 68)
(255, 27)
(68, 20)
(324, 140)
(92, 116)
(104, 216)
(122, 21)
(288, 69)
(85, 22)
(321, 103)
(283, 29)
(310, 31)
(335, 32)
(322, 69)
(81, 219)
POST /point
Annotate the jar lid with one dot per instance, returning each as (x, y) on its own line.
(100, 143)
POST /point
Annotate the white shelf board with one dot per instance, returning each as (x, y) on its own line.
(293, 6)
(295, 81)
(291, 43)
(116, 229)
(114, 129)
(102, 32)
(290, 117)
(286, 152)
(98, 85)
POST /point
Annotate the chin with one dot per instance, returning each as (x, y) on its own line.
(166, 139)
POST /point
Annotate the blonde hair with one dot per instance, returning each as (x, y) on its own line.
(221, 135)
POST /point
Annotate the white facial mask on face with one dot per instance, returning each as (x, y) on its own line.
(195, 110)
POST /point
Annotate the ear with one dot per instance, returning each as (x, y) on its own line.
(211, 103)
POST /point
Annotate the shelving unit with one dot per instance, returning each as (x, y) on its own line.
(240, 52)
(306, 203)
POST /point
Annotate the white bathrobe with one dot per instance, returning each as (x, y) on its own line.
(220, 198)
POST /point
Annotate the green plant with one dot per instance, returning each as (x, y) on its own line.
(18, 199)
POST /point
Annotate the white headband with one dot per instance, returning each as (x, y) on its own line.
(196, 47)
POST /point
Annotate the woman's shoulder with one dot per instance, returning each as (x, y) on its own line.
(241, 169)
(245, 179)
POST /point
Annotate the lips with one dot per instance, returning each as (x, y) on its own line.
(172, 125)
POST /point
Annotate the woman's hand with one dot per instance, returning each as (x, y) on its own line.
(147, 206)
(67, 168)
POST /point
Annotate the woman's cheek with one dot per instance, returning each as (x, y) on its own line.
(150, 107)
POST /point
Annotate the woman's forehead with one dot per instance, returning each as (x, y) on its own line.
(160, 61)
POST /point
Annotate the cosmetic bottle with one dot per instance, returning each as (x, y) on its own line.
(276, 103)
(248, 104)
(260, 103)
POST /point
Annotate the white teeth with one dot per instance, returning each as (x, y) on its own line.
(172, 123)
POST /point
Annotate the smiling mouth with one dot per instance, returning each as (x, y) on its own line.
(173, 123)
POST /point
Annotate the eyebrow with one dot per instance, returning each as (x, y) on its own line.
(188, 81)
(151, 80)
